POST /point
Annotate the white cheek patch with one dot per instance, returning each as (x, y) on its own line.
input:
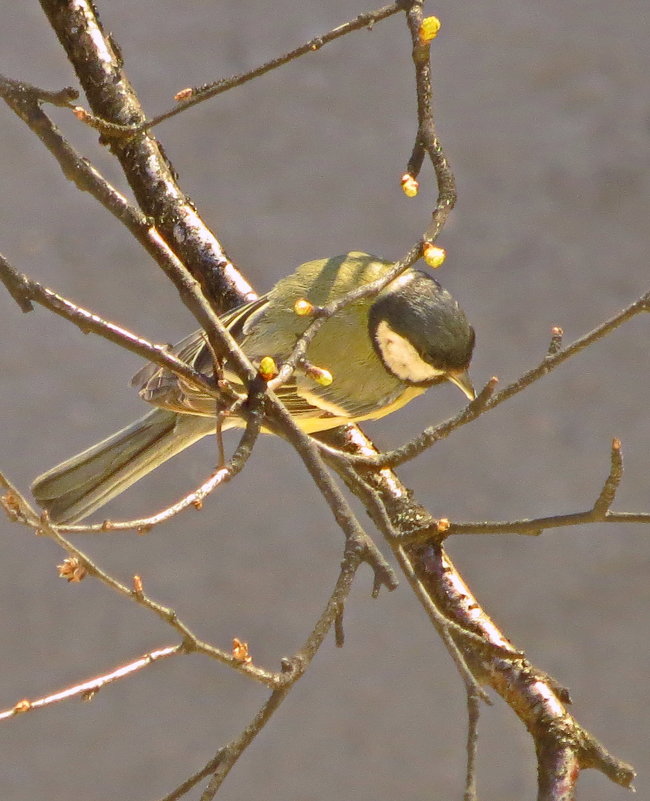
(401, 358)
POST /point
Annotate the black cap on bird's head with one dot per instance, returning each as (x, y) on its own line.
(421, 334)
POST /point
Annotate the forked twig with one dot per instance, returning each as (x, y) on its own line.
(19, 510)
(191, 96)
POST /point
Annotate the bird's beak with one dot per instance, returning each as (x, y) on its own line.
(463, 382)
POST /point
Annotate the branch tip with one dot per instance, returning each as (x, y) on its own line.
(17, 285)
(409, 184)
(555, 345)
(433, 255)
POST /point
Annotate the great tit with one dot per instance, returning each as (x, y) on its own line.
(381, 351)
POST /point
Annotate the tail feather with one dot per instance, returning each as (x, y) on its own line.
(77, 487)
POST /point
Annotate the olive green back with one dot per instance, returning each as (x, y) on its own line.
(342, 345)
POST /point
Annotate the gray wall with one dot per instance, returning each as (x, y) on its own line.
(545, 111)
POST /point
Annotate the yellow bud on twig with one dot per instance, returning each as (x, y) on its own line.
(433, 255)
(428, 30)
(410, 185)
(268, 369)
(303, 307)
(319, 375)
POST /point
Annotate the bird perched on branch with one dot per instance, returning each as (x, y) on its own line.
(380, 351)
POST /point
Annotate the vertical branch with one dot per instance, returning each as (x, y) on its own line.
(427, 139)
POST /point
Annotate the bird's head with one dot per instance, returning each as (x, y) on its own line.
(421, 334)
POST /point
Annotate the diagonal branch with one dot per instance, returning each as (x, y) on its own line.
(25, 291)
(530, 692)
(26, 101)
(223, 762)
(100, 71)
(535, 697)
(88, 689)
(600, 512)
(487, 399)
(20, 510)
(190, 97)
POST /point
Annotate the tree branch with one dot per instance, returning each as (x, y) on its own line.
(190, 97)
(487, 400)
(26, 292)
(100, 71)
(89, 689)
(483, 654)
(600, 512)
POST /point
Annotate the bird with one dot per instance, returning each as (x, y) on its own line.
(381, 351)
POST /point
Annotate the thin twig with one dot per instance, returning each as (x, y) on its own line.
(191, 96)
(195, 498)
(226, 757)
(488, 400)
(88, 689)
(600, 512)
(144, 524)
(25, 291)
(441, 623)
(473, 714)
(20, 510)
(355, 534)
(427, 139)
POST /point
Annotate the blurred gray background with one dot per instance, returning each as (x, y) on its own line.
(544, 109)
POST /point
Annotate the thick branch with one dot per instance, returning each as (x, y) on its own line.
(533, 695)
(111, 96)
(25, 101)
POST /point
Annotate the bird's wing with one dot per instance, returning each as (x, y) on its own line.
(161, 387)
